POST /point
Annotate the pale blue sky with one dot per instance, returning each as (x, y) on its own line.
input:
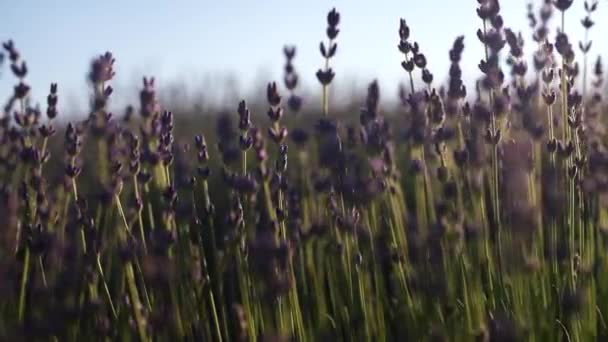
(199, 42)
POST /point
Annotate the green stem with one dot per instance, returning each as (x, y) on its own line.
(23, 288)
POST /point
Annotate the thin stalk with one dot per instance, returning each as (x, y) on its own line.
(139, 215)
(24, 279)
(131, 284)
(106, 288)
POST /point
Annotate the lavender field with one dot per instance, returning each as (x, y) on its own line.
(465, 213)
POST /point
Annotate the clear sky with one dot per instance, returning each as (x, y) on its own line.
(199, 43)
